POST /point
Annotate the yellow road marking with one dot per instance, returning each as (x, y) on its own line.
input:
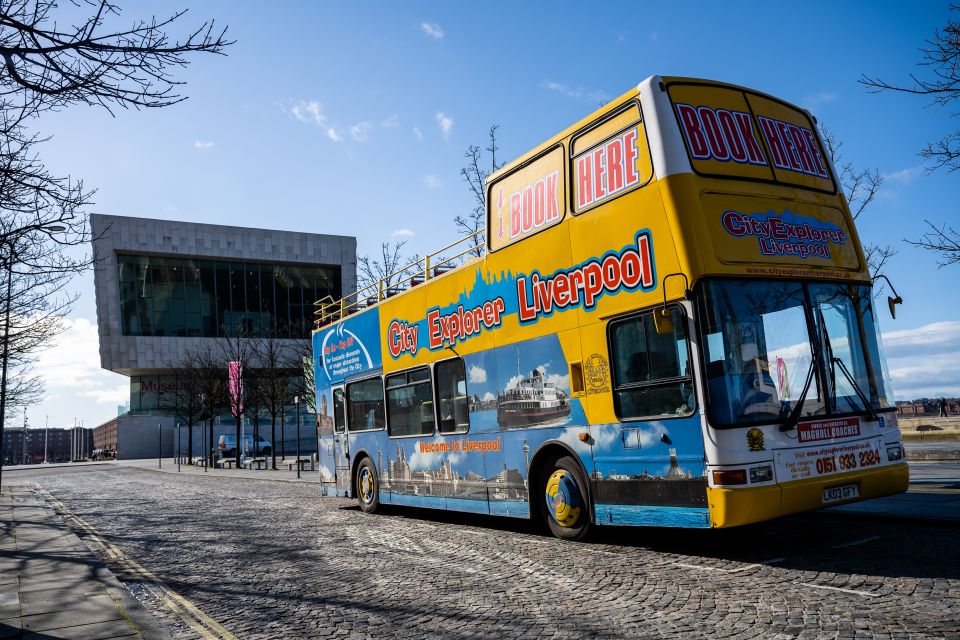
(207, 627)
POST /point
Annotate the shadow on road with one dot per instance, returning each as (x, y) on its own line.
(808, 542)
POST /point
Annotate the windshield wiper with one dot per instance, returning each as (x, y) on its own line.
(834, 361)
(867, 405)
(794, 416)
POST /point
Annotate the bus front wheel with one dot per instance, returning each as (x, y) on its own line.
(565, 500)
(368, 489)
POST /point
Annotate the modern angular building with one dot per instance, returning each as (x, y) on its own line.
(163, 287)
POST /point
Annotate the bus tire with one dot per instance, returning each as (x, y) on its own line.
(565, 507)
(368, 486)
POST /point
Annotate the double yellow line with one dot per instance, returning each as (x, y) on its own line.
(207, 627)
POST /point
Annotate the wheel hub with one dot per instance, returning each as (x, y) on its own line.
(564, 501)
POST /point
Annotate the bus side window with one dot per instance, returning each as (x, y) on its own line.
(338, 423)
(365, 405)
(651, 373)
(451, 376)
(410, 403)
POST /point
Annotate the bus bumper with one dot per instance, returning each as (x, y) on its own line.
(735, 507)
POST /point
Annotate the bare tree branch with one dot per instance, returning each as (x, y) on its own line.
(860, 187)
(475, 175)
(941, 82)
(944, 240)
(387, 267)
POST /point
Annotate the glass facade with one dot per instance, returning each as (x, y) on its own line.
(215, 298)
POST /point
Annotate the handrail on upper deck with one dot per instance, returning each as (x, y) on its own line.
(434, 264)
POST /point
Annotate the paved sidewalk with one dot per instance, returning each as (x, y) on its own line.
(53, 586)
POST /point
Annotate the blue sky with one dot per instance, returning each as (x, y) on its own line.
(352, 118)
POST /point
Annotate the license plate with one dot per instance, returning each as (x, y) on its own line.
(839, 494)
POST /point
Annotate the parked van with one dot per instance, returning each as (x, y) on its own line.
(228, 443)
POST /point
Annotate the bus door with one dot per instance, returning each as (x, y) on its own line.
(334, 469)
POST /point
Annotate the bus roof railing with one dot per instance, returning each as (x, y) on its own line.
(329, 310)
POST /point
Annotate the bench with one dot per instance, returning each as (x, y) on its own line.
(301, 461)
(226, 462)
(259, 463)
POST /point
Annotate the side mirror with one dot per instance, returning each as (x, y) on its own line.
(663, 321)
(892, 303)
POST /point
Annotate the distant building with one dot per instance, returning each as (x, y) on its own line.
(33, 446)
(163, 287)
(927, 407)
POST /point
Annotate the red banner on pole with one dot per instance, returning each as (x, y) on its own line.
(236, 389)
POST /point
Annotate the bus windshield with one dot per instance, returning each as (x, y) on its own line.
(772, 344)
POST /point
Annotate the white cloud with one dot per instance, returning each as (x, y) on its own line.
(360, 132)
(404, 232)
(586, 95)
(201, 144)
(446, 124)
(816, 100)
(312, 112)
(391, 123)
(432, 181)
(72, 363)
(118, 395)
(417, 132)
(488, 397)
(432, 29)
(924, 361)
(478, 375)
(903, 176)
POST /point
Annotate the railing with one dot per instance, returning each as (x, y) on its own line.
(417, 272)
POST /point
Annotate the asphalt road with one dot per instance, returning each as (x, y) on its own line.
(273, 560)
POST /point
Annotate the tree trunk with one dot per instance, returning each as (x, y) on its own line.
(273, 440)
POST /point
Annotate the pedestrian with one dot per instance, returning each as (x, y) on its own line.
(943, 407)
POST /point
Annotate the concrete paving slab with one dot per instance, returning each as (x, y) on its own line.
(8, 611)
(59, 593)
(76, 603)
(96, 631)
(71, 618)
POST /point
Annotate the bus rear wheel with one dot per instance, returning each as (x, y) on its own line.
(565, 500)
(368, 489)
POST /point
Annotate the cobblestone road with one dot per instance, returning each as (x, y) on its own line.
(273, 560)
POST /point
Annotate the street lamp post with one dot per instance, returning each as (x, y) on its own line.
(296, 401)
(160, 445)
(203, 432)
(11, 251)
(179, 447)
(283, 438)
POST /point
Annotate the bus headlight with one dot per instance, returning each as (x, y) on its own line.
(894, 453)
(761, 474)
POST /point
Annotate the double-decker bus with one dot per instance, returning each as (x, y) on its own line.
(669, 321)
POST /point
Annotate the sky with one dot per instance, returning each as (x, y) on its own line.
(353, 118)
